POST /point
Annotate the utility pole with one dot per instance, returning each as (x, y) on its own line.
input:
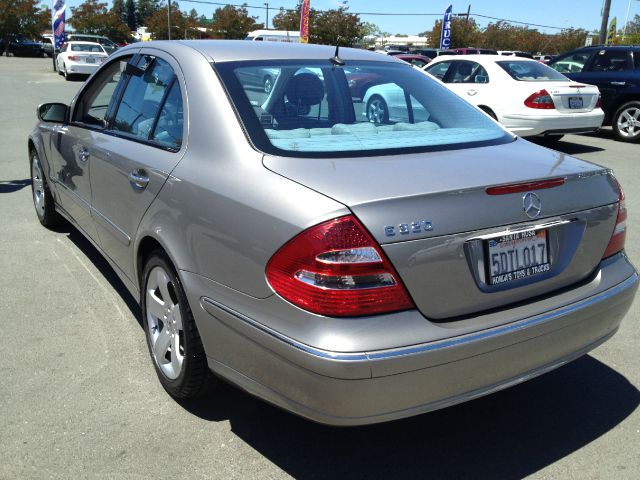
(468, 12)
(169, 18)
(267, 22)
(604, 26)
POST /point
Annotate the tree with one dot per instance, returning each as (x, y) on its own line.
(93, 17)
(464, 33)
(132, 21)
(146, 8)
(120, 10)
(23, 17)
(233, 22)
(157, 23)
(330, 27)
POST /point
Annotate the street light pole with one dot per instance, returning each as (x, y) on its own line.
(624, 32)
(266, 25)
(169, 18)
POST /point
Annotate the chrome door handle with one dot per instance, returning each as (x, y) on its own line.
(618, 83)
(471, 92)
(84, 154)
(138, 179)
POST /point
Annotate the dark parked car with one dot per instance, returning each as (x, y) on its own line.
(417, 60)
(23, 47)
(616, 72)
(427, 52)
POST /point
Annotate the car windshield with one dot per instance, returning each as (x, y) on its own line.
(531, 71)
(312, 108)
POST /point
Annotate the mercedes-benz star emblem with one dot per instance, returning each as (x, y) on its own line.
(531, 204)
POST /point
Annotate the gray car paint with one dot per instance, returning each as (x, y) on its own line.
(220, 215)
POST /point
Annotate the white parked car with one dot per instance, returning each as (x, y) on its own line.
(80, 58)
(526, 96)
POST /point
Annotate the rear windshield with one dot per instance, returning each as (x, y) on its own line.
(83, 47)
(531, 71)
(311, 108)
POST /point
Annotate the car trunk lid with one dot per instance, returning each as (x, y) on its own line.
(434, 218)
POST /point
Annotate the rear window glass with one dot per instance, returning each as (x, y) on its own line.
(531, 71)
(85, 47)
(316, 109)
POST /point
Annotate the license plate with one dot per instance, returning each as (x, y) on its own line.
(517, 255)
(90, 60)
(575, 102)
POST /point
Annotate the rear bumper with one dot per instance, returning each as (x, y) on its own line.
(82, 68)
(531, 125)
(367, 387)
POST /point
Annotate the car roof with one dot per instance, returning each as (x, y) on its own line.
(479, 57)
(243, 50)
(82, 42)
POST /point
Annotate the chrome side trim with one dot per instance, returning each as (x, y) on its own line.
(120, 234)
(428, 347)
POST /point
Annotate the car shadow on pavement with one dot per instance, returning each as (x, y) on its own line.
(507, 435)
(92, 254)
(10, 186)
(569, 147)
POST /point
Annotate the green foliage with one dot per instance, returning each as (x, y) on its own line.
(329, 27)
(233, 23)
(146, 8)
(463, 33)
(94, 17)
(23, 17)
(132, 21)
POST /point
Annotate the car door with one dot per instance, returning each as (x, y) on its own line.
(134, 156)
(70, 146)
(609, 71)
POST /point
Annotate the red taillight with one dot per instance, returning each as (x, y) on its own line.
(524, 187)
(73, 58)
(619, 234)
(337, 269)
(540, 100)
(599, 102)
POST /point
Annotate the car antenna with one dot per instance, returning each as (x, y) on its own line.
(336, 60)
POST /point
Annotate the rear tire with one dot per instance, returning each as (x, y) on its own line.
(626, 122)
(377, 110)
(172, 336)
(42, 198)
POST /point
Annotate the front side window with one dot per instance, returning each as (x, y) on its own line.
(610, 61)
(315, 109)
(524, 71)
(142, 98)
(92, 106)
(467, 72)
(439, 70)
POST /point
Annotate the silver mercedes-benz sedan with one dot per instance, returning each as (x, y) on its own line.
(349, 270)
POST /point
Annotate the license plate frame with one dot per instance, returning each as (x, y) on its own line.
(90, 60)
(576, 103)
(515, 256)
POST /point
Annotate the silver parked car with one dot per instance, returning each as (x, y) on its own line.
(346, 270)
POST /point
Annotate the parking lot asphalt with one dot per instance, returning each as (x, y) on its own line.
(79, 397)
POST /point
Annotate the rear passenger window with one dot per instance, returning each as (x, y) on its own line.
(611, 61)
(636, 59)
(143, 97)
(168, 130)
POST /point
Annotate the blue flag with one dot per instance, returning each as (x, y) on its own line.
(445, 36)
(58, 23)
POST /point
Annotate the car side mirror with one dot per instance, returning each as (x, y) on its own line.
(53, 112)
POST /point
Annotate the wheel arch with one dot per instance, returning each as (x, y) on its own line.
(489, 111)
(619, 101)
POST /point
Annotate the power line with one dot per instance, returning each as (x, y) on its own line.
(379, 14)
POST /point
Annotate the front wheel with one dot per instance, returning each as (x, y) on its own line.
(626, 122)
(377, 110)
(42, 198)
(172, 337)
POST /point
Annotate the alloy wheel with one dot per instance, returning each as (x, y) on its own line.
(164, 323)
(37, 187)
(628, 122)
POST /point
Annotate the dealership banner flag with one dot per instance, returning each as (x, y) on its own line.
(445, 36)
(58, 23)
(611, 34)
(304, 21)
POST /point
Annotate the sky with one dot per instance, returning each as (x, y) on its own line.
(553, 13)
